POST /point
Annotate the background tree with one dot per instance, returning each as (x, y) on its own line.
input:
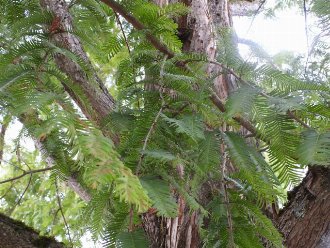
(198, 146)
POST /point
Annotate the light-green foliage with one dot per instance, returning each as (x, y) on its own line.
(142, 171)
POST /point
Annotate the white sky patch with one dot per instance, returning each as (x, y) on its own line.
(284, 32)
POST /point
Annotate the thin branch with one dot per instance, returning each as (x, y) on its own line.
(122, 31)
(7, 191)
(61, 211)
(263, 149)
(244, 123)
(151, 129)
(139, 26)
(55, 215)
(162, 48)
(262, 3)
(12, 164)
(51, 161)
(72, 2)
(294, 117)
(30, 172)
(226, 199)
(153, 125)
(131, 215)
(18, 153)
(3, 130)
(22, 195)
(289, 113)
(27, 186)
(306, 34)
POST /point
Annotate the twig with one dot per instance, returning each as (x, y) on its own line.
(244, 123)
(61, 210)
(289, 113)
(22, 195)
(9, 188)
(122, 31)
(18, 153)
(72, 2)
(294, 117)
(30, 172)
(130, 226)
(255, 14)
(55, 215)
(27, 186)
(128, 48)
(12, 164)
(3, 130)
(263, 149)
(226, 199)
(152, 127)
(307, 38)
(139, 26)
(165, 50)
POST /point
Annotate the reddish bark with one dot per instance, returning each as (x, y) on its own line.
(305, 220)
(197, 32)
(100, 100)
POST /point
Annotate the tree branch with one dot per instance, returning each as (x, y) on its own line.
(3, 130)
(240, 120)
(162, 48)
(30, 172)
(151, 129)
(51, 161)
(116, 7)
(61, 211)
(296, 118)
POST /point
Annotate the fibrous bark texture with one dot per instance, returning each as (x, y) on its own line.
(305, 220)
(14, 234)
(199, 34)
(90, 85)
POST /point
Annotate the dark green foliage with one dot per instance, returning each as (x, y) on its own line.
(173, 140)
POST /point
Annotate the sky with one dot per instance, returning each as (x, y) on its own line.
(284, 32)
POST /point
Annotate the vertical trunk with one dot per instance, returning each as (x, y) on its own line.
(198, 34)
(305, 220)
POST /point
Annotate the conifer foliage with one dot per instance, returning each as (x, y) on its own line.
(164, 139)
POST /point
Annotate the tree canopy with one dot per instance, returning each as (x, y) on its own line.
(128, 124)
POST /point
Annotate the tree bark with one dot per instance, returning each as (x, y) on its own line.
(305, 220)
(97, 95)
(16, 234)
(199, 35)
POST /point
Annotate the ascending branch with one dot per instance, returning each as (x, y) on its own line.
(153, 125)
(61, 211)
(139, 26)
(244, 123)
(26, 173)
(72, 181)
(170, 54)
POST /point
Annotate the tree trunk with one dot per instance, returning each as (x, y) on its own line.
(16, 234)
(98, 97)
(305, 220)
(198, 34)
